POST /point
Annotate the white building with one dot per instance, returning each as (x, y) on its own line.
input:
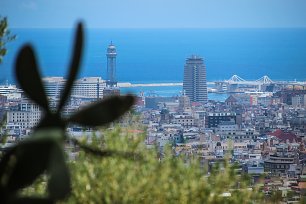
(239, 135)
(6, 89)
(10, 91)
(26, 116)
(54, 86)
(87, 87)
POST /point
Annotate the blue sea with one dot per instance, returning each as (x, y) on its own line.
(158, 55)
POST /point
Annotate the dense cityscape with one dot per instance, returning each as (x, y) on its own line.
(260, 126)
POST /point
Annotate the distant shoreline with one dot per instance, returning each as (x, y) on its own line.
(129, 85)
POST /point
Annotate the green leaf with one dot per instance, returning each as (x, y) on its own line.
(22, 164)
(52, 120)
(29, 77)
(103, 112)
(74, 65)
(59, 185)
(3, 25)
(56, 134)
(3, 51)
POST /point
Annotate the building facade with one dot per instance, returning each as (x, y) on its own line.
(212, 120)
(26, 116)
(194, 84)
(298, 100)
(279, 162)
(87, 87)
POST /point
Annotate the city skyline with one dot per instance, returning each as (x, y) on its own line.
(155, 13)
(257, 127)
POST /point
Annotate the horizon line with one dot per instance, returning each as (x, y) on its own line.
(163, 28)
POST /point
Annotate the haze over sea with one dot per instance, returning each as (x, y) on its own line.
(158, 55)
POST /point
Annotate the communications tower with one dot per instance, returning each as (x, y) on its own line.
(111, 55)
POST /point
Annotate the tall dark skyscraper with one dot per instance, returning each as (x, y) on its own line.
(111, 55)
(194, 84)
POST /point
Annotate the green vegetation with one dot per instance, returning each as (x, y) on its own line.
(5, 37)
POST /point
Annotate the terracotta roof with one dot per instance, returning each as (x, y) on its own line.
(134, 131)
(302, 185)
(284, 136)
(196, 104)
(215, 138)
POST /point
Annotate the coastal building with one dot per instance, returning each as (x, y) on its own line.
(87, 87)
(7, 89)
(54, 86)
(194, 84)
(11, 92)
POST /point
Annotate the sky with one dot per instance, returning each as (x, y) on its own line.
(155, 13)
